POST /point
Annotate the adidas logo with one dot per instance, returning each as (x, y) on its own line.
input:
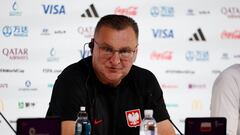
(91, 12)
(198, 36)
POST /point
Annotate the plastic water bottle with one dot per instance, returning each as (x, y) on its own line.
(148, 125)
(83, 125)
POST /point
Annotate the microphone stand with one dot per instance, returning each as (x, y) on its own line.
(8, 123)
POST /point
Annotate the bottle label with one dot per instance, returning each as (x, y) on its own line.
(78, 128)
(83, 128)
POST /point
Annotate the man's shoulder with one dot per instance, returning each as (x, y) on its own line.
(233, 70)
(228, 75)
(78, 68)
(141, 75)
(140, 71)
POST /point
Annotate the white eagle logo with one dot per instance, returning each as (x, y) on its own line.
(133, 118)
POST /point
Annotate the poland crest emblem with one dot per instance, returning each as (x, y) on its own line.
(133, 117)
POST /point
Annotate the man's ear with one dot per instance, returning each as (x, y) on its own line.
(91, 45)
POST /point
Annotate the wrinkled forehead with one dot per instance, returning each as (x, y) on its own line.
(117, 38)
(116, 29)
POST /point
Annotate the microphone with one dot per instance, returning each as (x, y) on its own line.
(8, 123)
(84, 50)
(176, 127)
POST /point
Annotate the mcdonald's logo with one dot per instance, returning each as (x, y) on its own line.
(197, 105)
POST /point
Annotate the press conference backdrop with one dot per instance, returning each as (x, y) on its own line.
(185, 43)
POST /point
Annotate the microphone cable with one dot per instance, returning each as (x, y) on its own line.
(8, 123)
(175, 127)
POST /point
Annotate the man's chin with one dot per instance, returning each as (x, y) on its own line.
(114, 79)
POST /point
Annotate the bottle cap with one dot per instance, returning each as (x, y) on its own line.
(148, 112)
(82, 108)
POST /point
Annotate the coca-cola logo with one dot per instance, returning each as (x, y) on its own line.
(166, 55)
(230, 35)
(131, 11)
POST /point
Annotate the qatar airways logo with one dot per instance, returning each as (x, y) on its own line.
(15, 53)
(87, 32)
(3, 85)
(230, 34)
(231, 12)
(130, 11)
(166, 55)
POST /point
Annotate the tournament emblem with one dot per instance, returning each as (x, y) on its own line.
(133, 117)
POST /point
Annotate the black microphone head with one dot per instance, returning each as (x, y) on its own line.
(91, 44)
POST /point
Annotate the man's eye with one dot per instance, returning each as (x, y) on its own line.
(106, 49)
(124, 51)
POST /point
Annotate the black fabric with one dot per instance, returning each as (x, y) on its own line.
(78, 86)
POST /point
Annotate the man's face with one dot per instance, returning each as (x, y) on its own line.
(113, 54)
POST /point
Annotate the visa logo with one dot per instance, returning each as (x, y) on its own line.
(163, 33)
(53, 9)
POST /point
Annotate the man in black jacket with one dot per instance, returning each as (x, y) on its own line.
(114, 91)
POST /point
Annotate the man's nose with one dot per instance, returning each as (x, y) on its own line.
(115, 59)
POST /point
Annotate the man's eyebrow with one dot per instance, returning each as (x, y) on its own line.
(126, 48)
(105, 44)
(108, 45)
